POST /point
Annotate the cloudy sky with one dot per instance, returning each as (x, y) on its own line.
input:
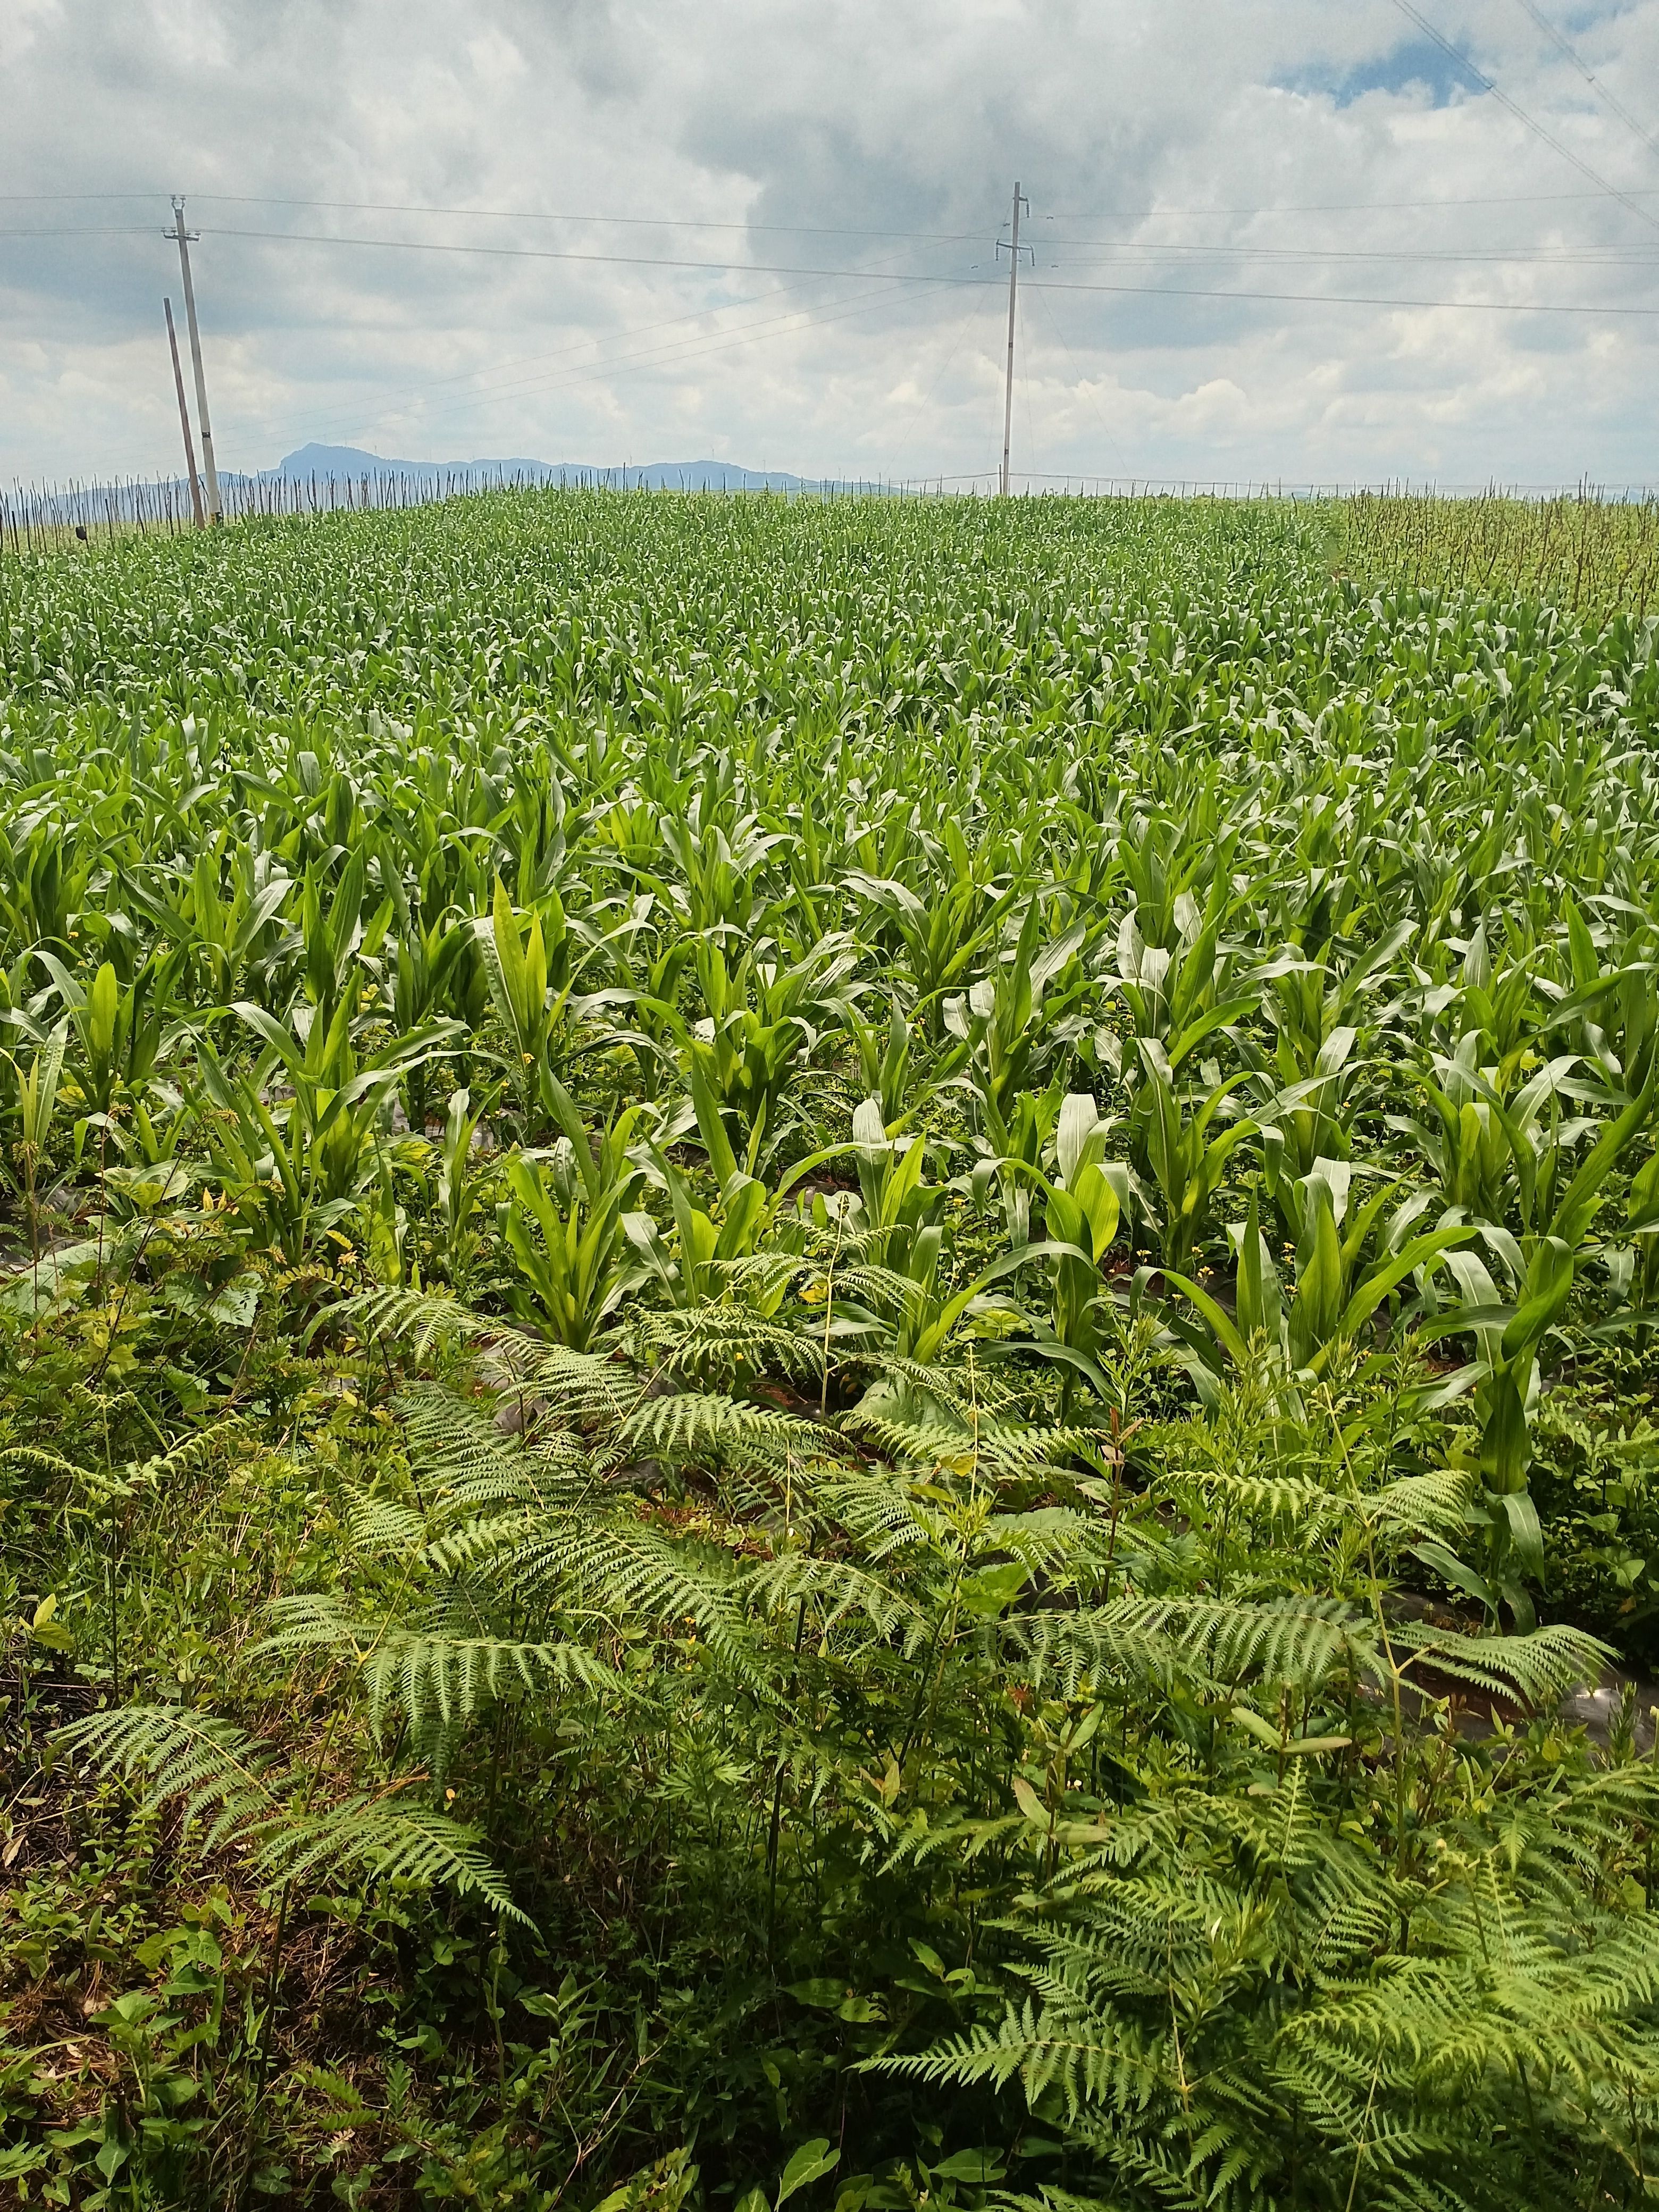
(766, 231)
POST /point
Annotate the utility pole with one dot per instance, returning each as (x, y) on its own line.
(184, 420)
(1020, 201)
(216, 506)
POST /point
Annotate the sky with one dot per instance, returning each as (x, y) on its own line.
(1271, 240)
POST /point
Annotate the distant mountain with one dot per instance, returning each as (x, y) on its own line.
(350, 464)
(351, 461)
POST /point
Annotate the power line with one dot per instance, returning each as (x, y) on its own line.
(638, 222)
(1591, 78)
(683, 222)
(845, 230)
(1153, 249)
(83, 230)
(797, 269)
(1148, 248)
(1609, 256)
(804, 320)
(1335, 299)
(542, 254)
(789, 269)
(1415, 14)
(1343, 207)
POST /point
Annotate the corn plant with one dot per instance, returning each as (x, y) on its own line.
(1006, 1023)
(565, 1224)
(122, 1030)
(295, 1169)
(1347, 1272)
(34, 1108)
(1082, 1207)
(1172, 1144)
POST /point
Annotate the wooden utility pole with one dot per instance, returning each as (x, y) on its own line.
(184, 421)
(216, 506)
(1013, 299)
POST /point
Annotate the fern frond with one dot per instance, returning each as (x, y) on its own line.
(618, 1568)
(1052, 1539)
(1538, 1669)
(837, 1591)
(408, 1845)
(1294, 1640)
(1075, 1652)
(312, 1620)
(1418, 1505)
(762, 1274)
(968, 1394)
(863, 1283)
(1104, 2060)
(1596, 1811)
(1278, 1500)
(988, 1447)
(725, 1335)
(169, 1753)
(1414, 1506)
(588, 1388)
(43, 1462)
(468, 1460)
(382, 1528)
(421, 1318)
(454, 1676)
(695, 1424)
(424, 1667)
(217, 1768)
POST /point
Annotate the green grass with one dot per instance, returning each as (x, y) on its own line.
(826, 1328)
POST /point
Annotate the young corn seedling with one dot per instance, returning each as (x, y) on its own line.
(565, 1224)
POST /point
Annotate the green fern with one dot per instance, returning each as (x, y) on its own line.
(234, 1789)
(431, 1671)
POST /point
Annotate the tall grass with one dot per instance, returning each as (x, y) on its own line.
(1580, 552)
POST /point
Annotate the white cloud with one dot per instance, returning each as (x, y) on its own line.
(827, 133)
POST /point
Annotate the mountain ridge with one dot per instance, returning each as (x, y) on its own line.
(349, 463)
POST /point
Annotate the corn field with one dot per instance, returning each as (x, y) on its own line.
(44, 518)
(1583, 554)
(828, 1338)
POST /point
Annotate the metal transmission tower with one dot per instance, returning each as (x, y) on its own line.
(216, 506)
(1020, 201)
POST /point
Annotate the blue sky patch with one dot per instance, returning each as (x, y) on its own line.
(1415, 62)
